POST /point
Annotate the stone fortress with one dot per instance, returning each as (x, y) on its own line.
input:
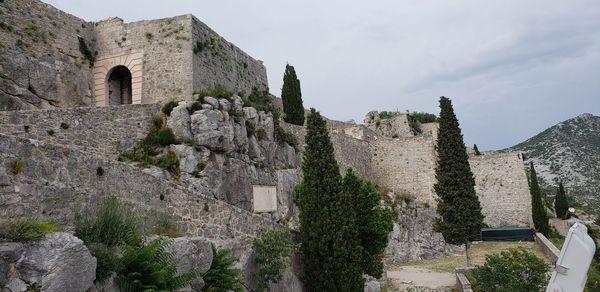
(106, 80)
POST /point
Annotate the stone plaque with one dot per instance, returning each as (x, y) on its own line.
(265, 199)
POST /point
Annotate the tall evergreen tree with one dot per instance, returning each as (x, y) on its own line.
(460, 219)
(561, 204)
(330, 247)
(292, 97)
(538, 210)
(476, 150)
(374, 222)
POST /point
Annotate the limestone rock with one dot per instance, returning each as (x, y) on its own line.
(372, 286)
(212, 101)
(59, 262)
(155, 171)
(288, 283)
(188, 157)
(240, 137)
(238, 103)
(265, 122)
(254, 150)
(211, 130)
(192, 253)
(10, 252)
(15, 285)
(224, 104)
(285, 156)
(179, 121)
(250, 114)
(207, 106)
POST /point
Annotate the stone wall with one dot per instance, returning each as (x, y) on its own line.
(502, 187)
(217, 61)
(58, 181)
(354, 153)
(406, 165)
(101, 130)
(396, 126)
(41, 65)
(166, 47)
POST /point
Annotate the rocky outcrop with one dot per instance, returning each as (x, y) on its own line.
(192, 253)
(231, 148)
(58, 262)
(413, 237)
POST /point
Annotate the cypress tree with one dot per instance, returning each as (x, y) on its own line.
(538, 211)
(561, 205)
(292, 97)
(460, 220)
(330, 248)
(374, 223)
(476, 150)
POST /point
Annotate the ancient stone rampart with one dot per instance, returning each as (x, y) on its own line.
(57, 181)
(502, 187)
(101, 130)
(217, 61)
(406, 165)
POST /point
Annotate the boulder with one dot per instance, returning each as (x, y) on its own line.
(250, 114)
(224, 105)
(10, 253)
(179, 121)
(212, 101)
(210, 129)
(188, 157)
(254, 150)
(206, 106)
(240, 137)
(59, 262)
(192, 253)
(285, 156)
(372, 286)
(238, 103)
(15, 285)
(265, 122)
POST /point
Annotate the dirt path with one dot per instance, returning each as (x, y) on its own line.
(409, 276)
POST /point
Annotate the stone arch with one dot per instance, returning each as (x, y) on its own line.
(111, 72)
(118, 84)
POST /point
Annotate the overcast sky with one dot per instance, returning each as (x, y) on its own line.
(511, 68)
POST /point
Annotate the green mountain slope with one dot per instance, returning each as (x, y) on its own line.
(568, 151)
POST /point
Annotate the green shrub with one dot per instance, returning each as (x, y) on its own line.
(25, 229)
(151, 267)
(158, 122)
(423, 117)
(387, 115)
(273, 250)
(196, 106)
(250, 128)
(107, 259)
(515, 269)
(111, 223)
(86, 52)
(169, 106)
(18, 165)
(162, 137)
(221, 276)
(51, 132)
(217, 91)
(261, 134)
(166, 226)
(259, 99)
(34, 287)
(148, 35)
(283, 136)
(199, 168)
(169, 162)
(64, 126)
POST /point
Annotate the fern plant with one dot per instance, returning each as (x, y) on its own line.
(221, 276)
(151, 268)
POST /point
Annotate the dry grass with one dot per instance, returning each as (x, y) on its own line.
(479, 250)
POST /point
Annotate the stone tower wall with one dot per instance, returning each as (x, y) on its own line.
(502, 187)
(164, 46)
(219, 62)
(41, 65)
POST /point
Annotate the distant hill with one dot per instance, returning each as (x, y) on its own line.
(568, 151)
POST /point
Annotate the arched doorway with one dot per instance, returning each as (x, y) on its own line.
(119, 86)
